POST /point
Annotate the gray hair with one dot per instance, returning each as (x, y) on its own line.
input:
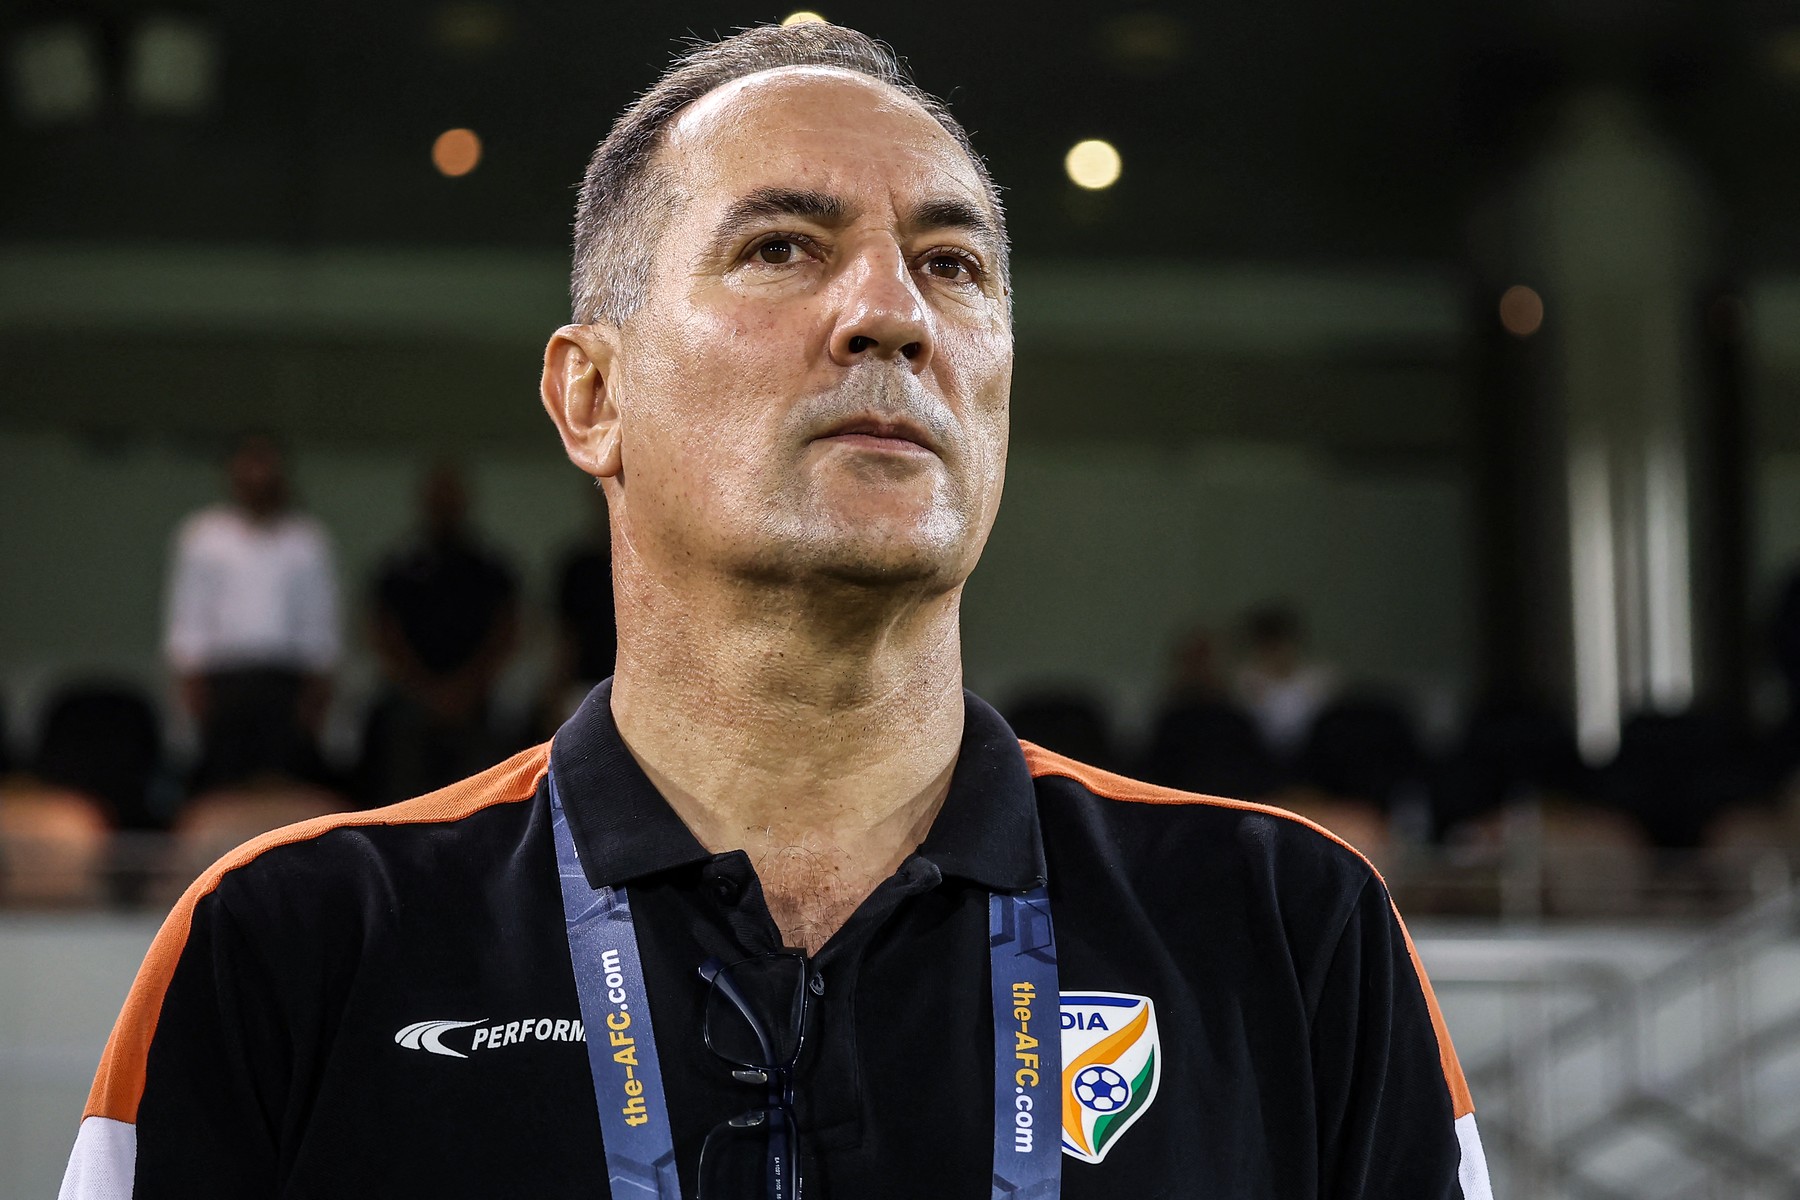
(626, 200)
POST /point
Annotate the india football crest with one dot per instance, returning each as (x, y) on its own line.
(1112, 1061)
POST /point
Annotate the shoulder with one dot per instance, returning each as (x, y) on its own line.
(1175, 806)
(338, 878)
(1150, 827)
(290, 893)
(207, 526)
(308, 846)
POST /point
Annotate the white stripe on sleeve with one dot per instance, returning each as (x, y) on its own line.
(1473, 1174)
(103, 1161)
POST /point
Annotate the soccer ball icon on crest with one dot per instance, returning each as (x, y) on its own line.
(1102, 1089)
(1112, 1063)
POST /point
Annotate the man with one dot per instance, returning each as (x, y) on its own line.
(446, 621)
(1280, 688)
(252, 631)
(817, 904)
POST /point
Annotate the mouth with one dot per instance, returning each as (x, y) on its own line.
(870, 432)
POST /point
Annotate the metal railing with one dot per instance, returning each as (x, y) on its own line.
(1616, 1079)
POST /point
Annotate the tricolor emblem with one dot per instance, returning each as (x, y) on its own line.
(1111, 1063)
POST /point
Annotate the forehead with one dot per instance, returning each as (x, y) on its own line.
(823, 127)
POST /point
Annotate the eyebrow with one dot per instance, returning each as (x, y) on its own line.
(937, 212)
(766, 202)
(953, 212)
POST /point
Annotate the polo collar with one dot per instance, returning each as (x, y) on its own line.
(987, 831)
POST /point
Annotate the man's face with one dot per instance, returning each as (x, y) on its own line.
(257, 477)
(816, 387)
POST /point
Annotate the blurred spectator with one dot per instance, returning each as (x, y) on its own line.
(446, 621)
(588, 638)
(1282, 692)
(253, 624)
(1200, 740)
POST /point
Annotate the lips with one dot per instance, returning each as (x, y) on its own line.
(885, 428)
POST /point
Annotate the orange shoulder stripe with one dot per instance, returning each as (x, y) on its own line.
(1117, 787)
(119, 1084)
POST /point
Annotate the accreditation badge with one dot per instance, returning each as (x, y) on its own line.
(1112, 1062)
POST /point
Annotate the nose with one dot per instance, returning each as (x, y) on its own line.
(882, 314)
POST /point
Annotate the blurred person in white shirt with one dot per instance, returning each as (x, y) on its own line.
(1278, 687)
(253, 628)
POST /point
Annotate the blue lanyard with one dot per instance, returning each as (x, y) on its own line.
(1027, 1047)
(628, 1084)
(615, 1011)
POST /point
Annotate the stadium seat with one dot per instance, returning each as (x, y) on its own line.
(1512, 749)
(104, 740)
(215, 823)
(1675, 773)
(1210, 746)
(53, 846)
(1363, 748)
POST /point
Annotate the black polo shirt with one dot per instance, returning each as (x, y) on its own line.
(382, 1003)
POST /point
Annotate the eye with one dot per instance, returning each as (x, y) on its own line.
(955, 268)
(776, 252)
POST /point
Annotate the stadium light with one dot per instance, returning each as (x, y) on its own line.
(1521, 310)
(456, 152)
(1093, 164)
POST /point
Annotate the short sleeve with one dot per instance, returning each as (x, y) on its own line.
(1394, 1115)
(188, 1098)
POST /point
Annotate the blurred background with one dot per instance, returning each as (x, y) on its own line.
(1406, 431)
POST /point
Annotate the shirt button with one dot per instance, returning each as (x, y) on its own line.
(727, 889)
(817, 983)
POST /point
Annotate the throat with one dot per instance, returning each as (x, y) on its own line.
(812, 894)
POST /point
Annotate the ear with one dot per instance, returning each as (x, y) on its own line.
(577, 394)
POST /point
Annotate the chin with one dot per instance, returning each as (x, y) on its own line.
(877, 554)
(871, 537)
(887, 571)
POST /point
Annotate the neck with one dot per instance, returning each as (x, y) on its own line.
(815, 732)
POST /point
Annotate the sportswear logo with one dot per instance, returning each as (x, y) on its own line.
(424, 1035)
(1112, 1064)
(428, 1035)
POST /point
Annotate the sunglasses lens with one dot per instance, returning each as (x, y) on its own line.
(754, 1010)
(750, 1157)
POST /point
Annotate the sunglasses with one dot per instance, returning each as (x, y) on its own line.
(755, 1019)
